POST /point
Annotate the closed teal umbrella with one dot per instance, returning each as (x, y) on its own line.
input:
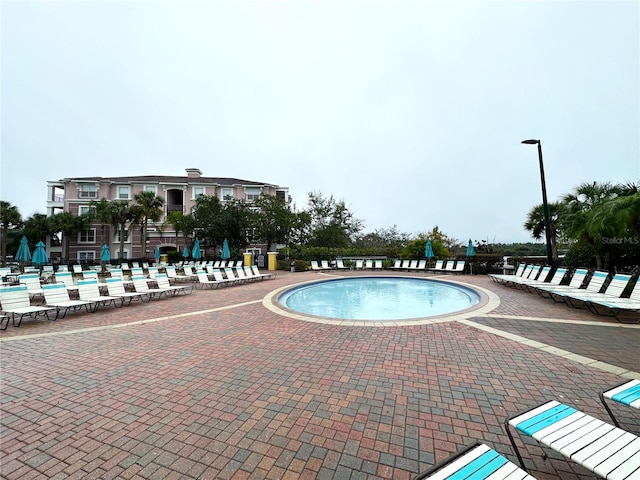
(470, 253)
(156, 254)
(196, 254)
(105, 256)
(23, 254)
(226, 253)
(470, 250)
(428, 252)
(39, 254)
(185, 251)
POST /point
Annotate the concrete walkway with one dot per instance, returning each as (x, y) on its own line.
(219, 385)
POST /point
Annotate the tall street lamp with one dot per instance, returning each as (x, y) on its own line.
(545, 206)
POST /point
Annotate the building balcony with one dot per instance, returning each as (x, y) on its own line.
(175, 208)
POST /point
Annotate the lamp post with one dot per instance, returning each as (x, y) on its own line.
(545, 206)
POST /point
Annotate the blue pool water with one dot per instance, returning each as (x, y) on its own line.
(379, 298)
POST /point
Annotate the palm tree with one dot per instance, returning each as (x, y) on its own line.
(122, 214)
(536, 225)
(178, 221)
(69, 224)
(148, 207)
(9, 218)
(582, 221)
(101, 211)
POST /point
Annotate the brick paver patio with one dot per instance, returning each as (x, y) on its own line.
(214, 386)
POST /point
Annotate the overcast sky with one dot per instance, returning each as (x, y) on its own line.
(412, 112)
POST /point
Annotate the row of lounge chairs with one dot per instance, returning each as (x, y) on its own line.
(606, 450)
(15, 300)
(595, 290)
(450, 266)
(89, 294)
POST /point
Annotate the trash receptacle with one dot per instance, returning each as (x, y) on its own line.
(273, 260)
(293, 266)
(248, 258)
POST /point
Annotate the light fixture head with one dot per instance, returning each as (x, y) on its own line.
(531, 142)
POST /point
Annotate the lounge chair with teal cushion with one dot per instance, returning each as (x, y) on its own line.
(475, 462)
(600, 447)
(627, 393)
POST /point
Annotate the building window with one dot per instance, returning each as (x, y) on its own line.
(253, 193)
(197, 192)
(150, 188)
(124, 255)
(226, 194)
(124, 193)
(116, 236)
(87, 236)
(86, 209)
(87, 190)
(88, 255)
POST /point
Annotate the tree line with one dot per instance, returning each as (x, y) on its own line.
(596, 224)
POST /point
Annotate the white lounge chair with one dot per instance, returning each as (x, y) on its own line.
(604, 449)
(116, 289)
(575, 283)
(626, 393)
(15, 302)
(612, 292)
(162, 280)
(89, 291)
(500, 278)
(475, 462)
(340, 264)
(32, 281)
(173, 276)
(378, 265)
(140, 283)
(67, 279)
(438, 267)
(256, 271)
(229, 272)
(225, 282)
(57, 296)
(325, 265)
(203, 281)
(594, 284)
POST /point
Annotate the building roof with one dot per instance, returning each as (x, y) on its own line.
(155, 179)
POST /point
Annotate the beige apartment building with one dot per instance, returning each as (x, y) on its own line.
(74, 195)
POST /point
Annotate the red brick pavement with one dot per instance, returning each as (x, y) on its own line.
(232, 390)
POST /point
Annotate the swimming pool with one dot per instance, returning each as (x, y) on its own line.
(379, 298)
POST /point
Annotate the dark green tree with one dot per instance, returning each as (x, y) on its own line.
(332, 223)
(181, 223)
(274, 220)
(122, 215)
(536, 225)
(147, 207)
(579, 224)
(100, 211)
(10, 219)
(209, 221)
(69, 225)
(36, 228)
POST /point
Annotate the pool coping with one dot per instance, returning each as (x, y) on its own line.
(488, 302)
